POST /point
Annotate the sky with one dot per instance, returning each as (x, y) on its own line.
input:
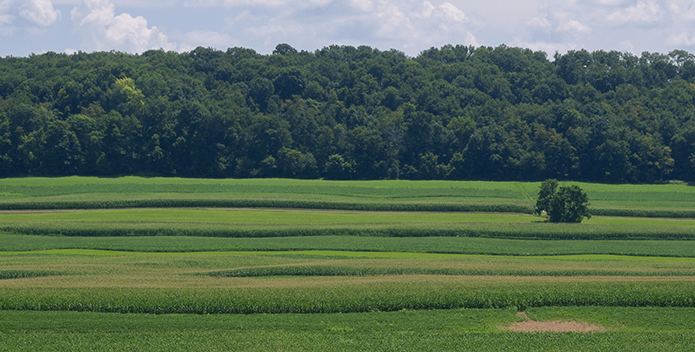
(410, 26)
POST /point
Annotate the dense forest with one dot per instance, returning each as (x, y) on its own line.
(342, 112)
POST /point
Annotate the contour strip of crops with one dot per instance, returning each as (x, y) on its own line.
(351, 298)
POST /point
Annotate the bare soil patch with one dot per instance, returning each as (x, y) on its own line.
(552, 326)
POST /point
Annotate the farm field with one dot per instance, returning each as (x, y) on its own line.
(668, 200)
(131, 263)
(283, 223)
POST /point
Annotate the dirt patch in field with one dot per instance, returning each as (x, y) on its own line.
(551, 326)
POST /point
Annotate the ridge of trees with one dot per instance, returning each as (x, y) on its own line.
(342, 112)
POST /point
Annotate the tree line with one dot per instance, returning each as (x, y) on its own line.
(343, 112)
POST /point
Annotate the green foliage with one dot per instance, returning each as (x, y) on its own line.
(545, 195)
(567, 204)
(453, 112)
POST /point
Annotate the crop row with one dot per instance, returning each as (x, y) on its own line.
(155, 202)
(463, 206)
(636, 319)
(349, 298)
(450, 330)
(19, 274)
(646, 213)
(341, 244)
(355, 189)
(327, 270)
(342, 339)
(536, 231)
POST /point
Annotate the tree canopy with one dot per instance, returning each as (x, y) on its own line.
(566, 204)
(343, 112)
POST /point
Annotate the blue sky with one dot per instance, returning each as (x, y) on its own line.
(134, 26)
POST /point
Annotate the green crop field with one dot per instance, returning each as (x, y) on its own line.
(668, 200)
(255, 265)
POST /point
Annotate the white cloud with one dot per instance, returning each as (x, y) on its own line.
(683, 9)
(273, 4)
(555, 25)
(40, 12)
(363, 5)
(682, 39)
(626, 46)
(452, 13)
(640, 13)
(548, 47)
(102, 30)
(409, 25)
(574, 26)
(540, 23)
(610, 2)
(4, 7)
(420, 26)
(208, 39)
(426, 9)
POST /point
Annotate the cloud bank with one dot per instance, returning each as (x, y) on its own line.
(407, 25)
(102, 30)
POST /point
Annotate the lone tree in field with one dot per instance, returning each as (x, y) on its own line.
(566, 204)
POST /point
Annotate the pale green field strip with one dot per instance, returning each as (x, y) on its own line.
(267, 217)
(346, 254)
(296, 223)
(284, 217)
